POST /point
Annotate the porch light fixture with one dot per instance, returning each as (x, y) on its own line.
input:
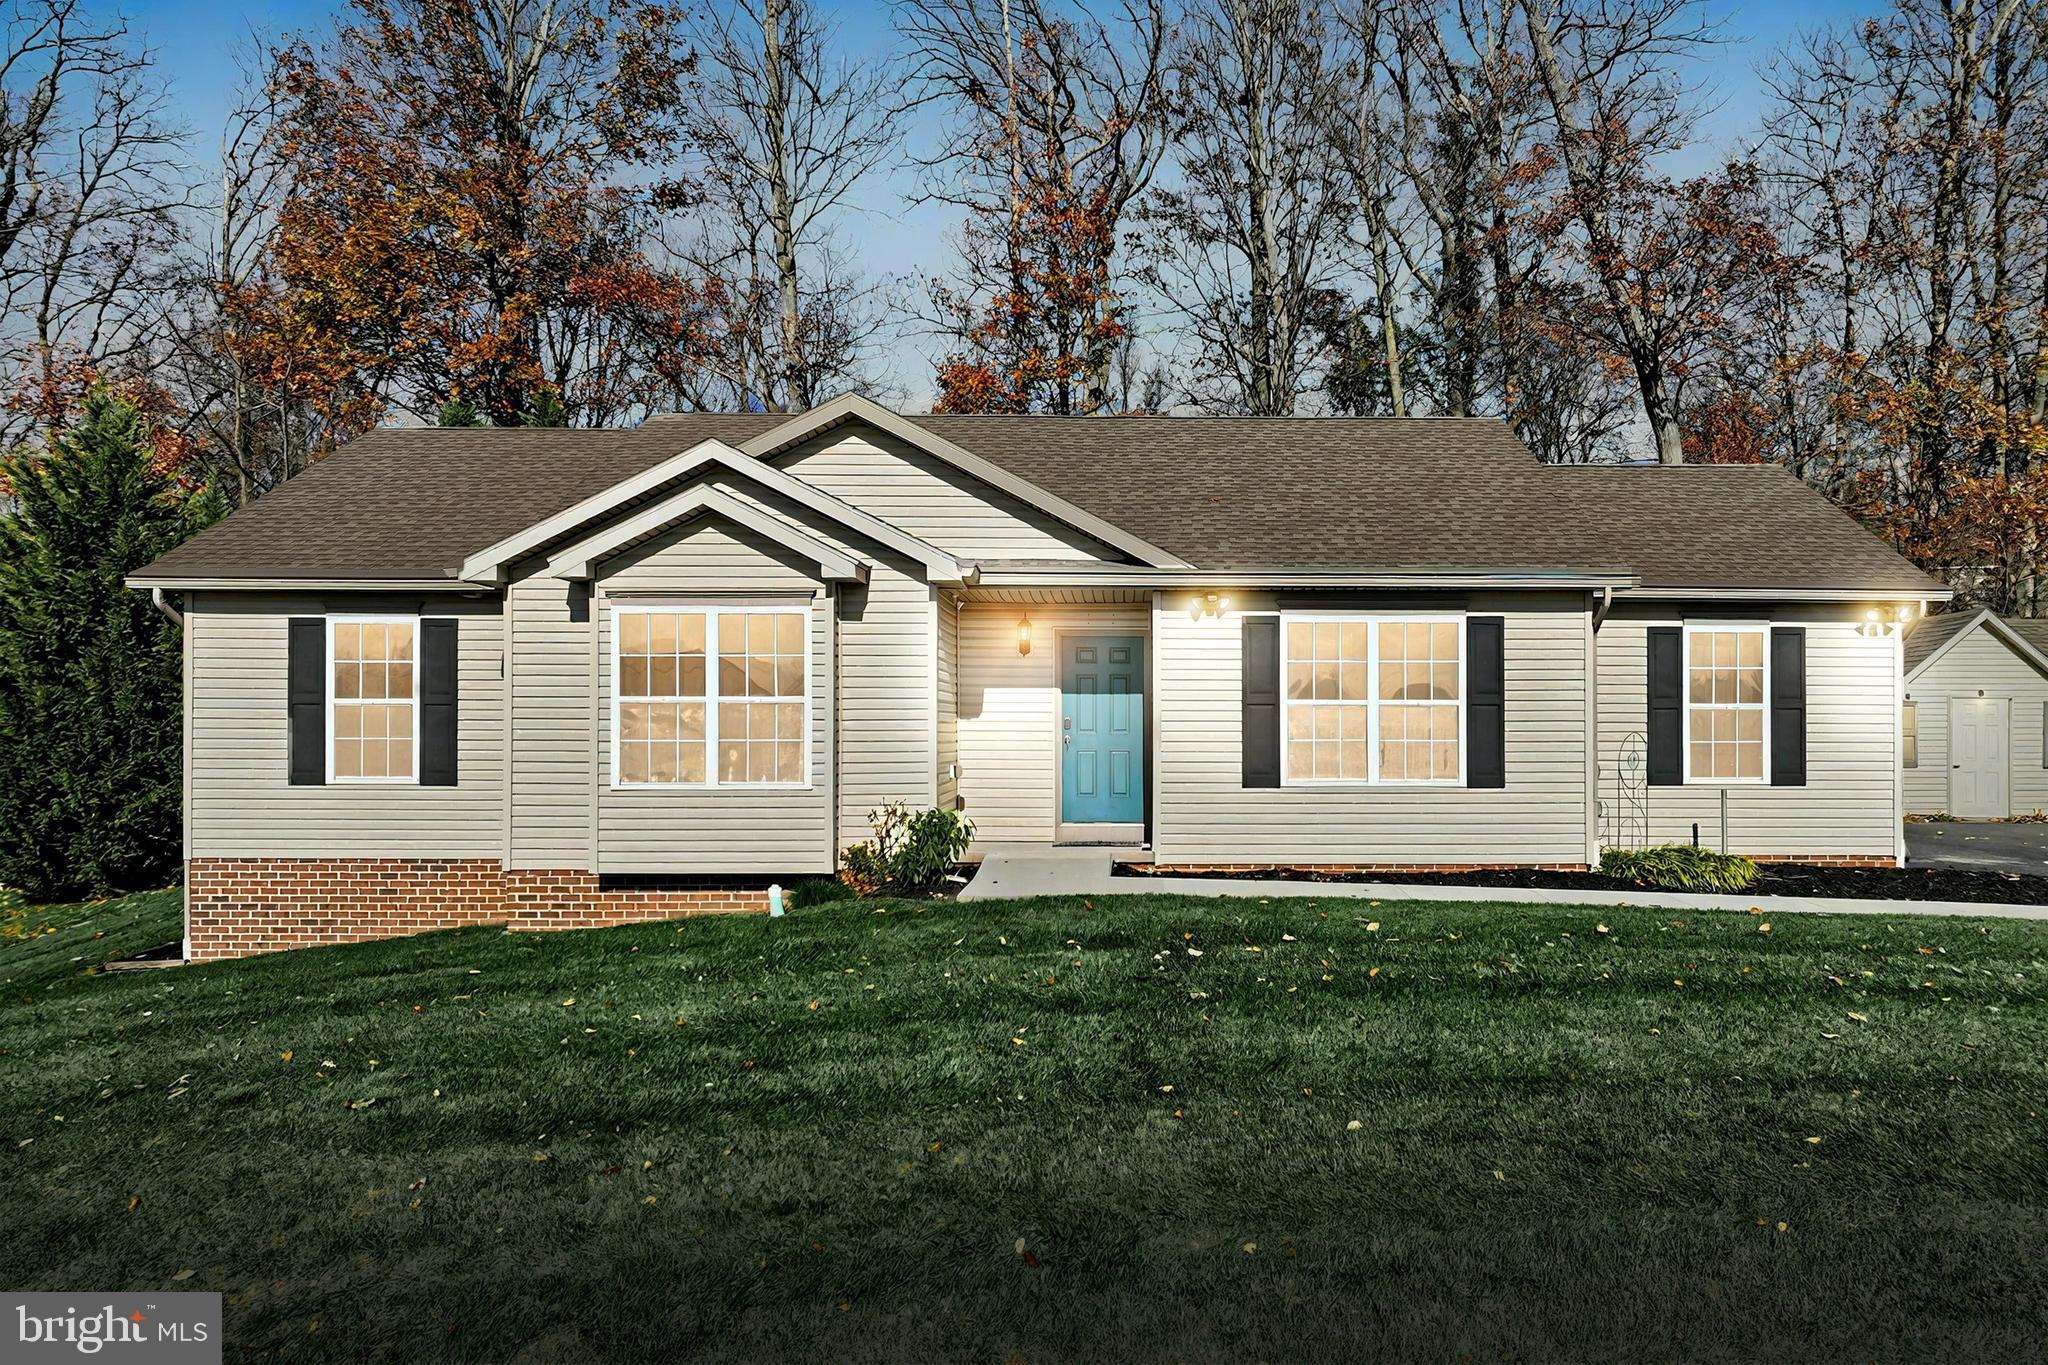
(1209, 604)
(1024, 635)
(1882, 621)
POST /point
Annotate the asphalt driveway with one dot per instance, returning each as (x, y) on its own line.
(1979, 845)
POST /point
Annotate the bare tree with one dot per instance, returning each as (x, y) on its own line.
(785, 131)
(1249, 252)
(1055, 126)
(1605, 68)
(91, 181)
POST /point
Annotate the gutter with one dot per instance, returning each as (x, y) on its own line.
(453, 585)
(1079, 576)
(162, 604)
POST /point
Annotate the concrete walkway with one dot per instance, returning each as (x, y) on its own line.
(1086, 872)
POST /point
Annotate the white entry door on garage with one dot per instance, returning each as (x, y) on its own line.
(1978, 730)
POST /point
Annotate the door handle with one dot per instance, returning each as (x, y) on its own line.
(1067, 730)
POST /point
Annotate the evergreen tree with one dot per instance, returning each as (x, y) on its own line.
(91, 680)
(458, 412)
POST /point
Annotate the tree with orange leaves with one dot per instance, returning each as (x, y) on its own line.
(469, 190)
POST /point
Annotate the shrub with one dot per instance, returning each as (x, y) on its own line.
(910, 852)
(90, 672)
(1680, 867)
(817, 891)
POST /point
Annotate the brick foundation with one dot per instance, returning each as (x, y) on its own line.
(1348, 869)
(236, 907)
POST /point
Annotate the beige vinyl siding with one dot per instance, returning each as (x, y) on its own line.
(1849, 802)
(948, 624)
(1203, 814)
(932, 500)
(552, 715)
(1979, 661)
(1008, 712)
(241, 803)
(724, 829)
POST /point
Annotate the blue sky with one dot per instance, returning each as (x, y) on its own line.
(891, 238)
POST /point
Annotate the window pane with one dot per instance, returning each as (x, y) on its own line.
(789, 761)
(348, 758)
(662, 675)
(690, 762)
(732, 634)
(1300, 760)
(1326, 640)
(398, 758)
(348, 680)
(1700, 653)
(1298, 680)
(633, 637)
(732, 759)
(661, 765)
(690, 721)
(399, 679)
(1700, 684)
(1325, 760)
(1393, 761)
(398, 642)
(348, 640)
(1749, 649)
(373, 758)
(1352, 761)
(1326, 722)
(633, 722)
(789, 720)
(789, 676)
(1300, 722)
(633, 677)
(1298, 640)
(789, 633)
(1351, 641)
(661, 634)
(1749, 685)
(1326, 680)
(1351, 722)
(661, 721)
(690, 633)
(398, 725)
(371, 635)
(1443, 723)
(1351, 682)
(632, 763)
(732, 674)
(1749, 760)
(348, 722)
(1443, 682)
(690, 681)
(761, 675)
(1443, 641)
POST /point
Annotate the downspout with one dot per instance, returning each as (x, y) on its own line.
(163, 604)
(1606, 605)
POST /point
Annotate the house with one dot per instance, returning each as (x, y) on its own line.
(554, 678)
(1976, 715)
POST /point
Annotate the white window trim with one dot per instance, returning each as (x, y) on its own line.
(327, 685)
(711, 611)
(1685, 703)
(1372, 622)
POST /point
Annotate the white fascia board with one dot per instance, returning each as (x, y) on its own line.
(386, 585)
(853, 407)
(1929, 594)
(580, 560)
(490, 565)
(1081, 577)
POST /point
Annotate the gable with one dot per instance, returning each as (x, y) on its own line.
(907, 487)
(1981, 656)
(704, 551)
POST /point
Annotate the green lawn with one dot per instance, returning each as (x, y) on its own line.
(1341, 1130)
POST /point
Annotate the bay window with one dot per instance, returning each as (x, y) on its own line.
(710, 696)
(1372, 699)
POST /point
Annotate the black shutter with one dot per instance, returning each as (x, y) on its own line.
(1788, 706)
(1486, 728)
(1667, 692)
(306, 700)
(1261, 701)
(437, 702)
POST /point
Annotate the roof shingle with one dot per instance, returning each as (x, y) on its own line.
(1242, 494)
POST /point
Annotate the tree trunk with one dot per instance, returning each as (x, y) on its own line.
(795, 395)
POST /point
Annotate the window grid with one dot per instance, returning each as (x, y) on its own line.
(1726, 713)
(372, 699)
(710, 696)
(1372, 700)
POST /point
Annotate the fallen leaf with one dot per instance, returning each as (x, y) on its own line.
(1353, 1126)
(285, 1055)
(182, 1275)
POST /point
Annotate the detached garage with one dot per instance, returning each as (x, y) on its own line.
(1975, 724)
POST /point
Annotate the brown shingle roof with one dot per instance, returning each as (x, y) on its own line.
(1223, 493)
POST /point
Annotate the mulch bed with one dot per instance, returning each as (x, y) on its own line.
(1778, 879)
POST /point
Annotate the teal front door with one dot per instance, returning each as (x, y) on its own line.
(1102, 729)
